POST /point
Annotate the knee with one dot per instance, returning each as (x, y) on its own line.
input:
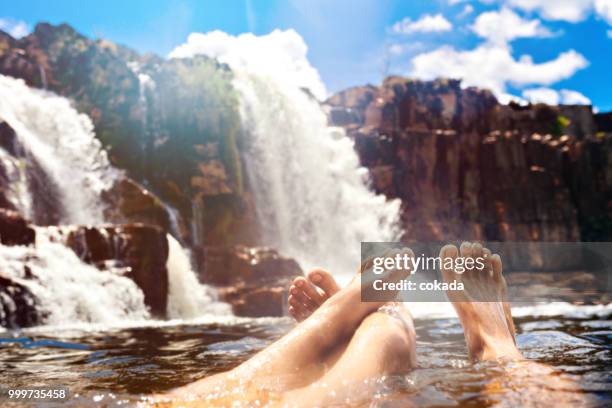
(389, 334)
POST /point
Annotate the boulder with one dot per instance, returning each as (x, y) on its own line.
(254, 280)
(254, 301)
(14, 229)
(129, 202)
(17, 305)
(140, 251)
(241, 264)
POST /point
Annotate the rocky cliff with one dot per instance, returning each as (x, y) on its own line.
(466, 167)
(173, 125)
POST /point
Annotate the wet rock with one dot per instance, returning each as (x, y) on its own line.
(129, 202)
(404, 103)
(18, 306)
(137, 251)
(466, 167)
(241, 264)
(253, 301)
(136, 121)
(14, 229)
(253, 280)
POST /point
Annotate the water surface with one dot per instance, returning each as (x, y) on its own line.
(115, 366)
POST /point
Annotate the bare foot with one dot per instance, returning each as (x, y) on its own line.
(482, 305)
(306, 294)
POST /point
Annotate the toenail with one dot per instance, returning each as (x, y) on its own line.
(316, 277)
(299, 283)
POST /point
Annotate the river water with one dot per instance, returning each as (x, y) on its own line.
(113, 366)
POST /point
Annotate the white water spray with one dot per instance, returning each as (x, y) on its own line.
(18, 192)
(312, 196)
(63, 143)
(68, 289)
(188, 298)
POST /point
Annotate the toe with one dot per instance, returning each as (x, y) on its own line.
(315, 295)
(293, 302)
(476, 254)
(488, 267)
(304, 299)
(299, 282)
(292, 312)
(476, 250)
(325, 281)
(497, 266)
(448, 251)
(466, 250)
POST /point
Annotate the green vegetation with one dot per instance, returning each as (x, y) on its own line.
(180, 136)
(560, 126)
(197, 105)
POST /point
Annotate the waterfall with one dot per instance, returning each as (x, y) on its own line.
(68, 290)
(63, 143)
(17, 182)
(63, 146)
(187, 297)
(312, 195)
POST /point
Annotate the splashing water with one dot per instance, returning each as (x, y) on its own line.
(67, 289)
(63, 143)
(18, 192)
(188, 298)
(311, 194)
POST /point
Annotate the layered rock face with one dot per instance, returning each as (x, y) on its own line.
(253, 280)
(136, 251)
(138, 103)
(466, 167)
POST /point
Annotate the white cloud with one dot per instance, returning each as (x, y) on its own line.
(572, 11)
(467, 10)
(505, 25)
(492, 66)
(280, 54)
(453, 2)
(542, 95)
(604, 9)
(426, 24)
(569, 97)
(567, 10)
(552, 97)
(15, 28)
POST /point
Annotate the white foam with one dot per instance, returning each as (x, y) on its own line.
(312, 196)
(63, 143)
(187, 297)
(444, 310)
(69, 290)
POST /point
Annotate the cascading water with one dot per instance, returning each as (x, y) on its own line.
(312, 196)
(18, 192)
(68, 290)
(188, 298)
(63, 143)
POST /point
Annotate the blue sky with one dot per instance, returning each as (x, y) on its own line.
(541, 50)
